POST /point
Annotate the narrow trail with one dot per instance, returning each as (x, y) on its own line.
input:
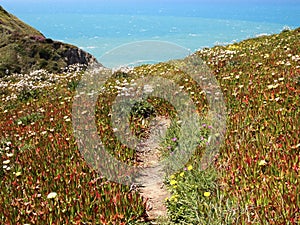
(150, 182)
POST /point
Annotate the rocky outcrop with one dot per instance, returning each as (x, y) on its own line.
(75, 55)
(23, 49)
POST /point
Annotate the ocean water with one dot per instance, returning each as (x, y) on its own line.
(101, 26)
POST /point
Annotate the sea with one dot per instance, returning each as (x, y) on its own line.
(101, 27)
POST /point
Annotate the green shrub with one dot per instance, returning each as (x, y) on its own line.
(27, 94)
(44, 54)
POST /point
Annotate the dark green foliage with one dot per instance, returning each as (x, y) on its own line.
(26, 94)
(120, 75)
(73, 84)
(44, 54)
(142, 109)
(31, 118)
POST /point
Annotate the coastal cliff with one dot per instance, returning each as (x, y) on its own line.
(24, 49)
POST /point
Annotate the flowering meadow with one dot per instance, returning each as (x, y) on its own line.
(253, 180)
(44, 179)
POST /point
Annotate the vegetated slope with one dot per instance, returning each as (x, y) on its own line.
(23, 49)
(258, 164)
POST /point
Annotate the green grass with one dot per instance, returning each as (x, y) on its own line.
(253, 180)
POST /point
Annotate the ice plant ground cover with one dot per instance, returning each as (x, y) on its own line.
(254, 178)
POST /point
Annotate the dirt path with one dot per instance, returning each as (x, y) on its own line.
(151, 180)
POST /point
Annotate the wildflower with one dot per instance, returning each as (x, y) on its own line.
(174, 139)
(174, 198)
(181, 174)
(288, 64)
(67, 119)
(18, 174)
(262, 163)
(6, 162)
(172, 176)
(226, 78)
(9, 155)
(190, 167)
(173, 182)
(207, 194)
(272, 86)
(148, 89)
(52, 195)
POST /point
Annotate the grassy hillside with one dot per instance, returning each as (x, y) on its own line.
(24, 49)
(254, 179)
(256, 176)
(11, 24)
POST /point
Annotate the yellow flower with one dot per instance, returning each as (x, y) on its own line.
(18, 174)
(172, 176)
(233, 47)
(173, 182)
(174, 198)
(181, 174)
(190, 167)
(206, 194)
(262, 163)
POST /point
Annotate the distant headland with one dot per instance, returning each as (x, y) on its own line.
(24, 49)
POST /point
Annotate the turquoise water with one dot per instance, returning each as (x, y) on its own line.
(101, 26)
